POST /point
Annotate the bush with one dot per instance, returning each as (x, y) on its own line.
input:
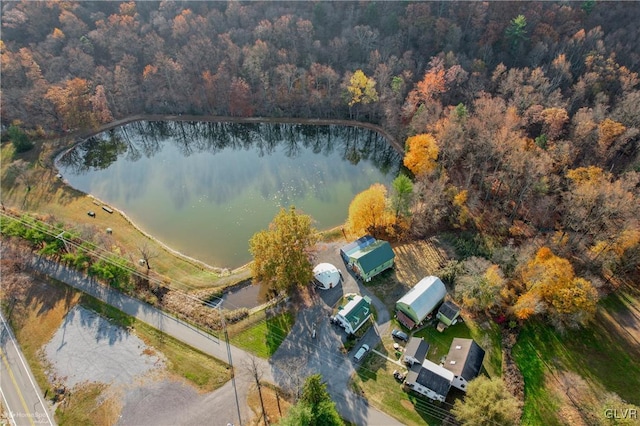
(19, 139)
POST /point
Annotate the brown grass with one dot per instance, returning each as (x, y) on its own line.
(270, 402)
(417, 259)
(89, 406)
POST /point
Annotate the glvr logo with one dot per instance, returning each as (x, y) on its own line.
(621, 413)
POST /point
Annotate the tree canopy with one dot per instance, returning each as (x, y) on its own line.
(487, 403)
(281, 253)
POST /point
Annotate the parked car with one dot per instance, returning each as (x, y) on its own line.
(398, 376)
(400, 335)
(361, 352)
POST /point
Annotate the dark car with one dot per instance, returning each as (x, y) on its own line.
(400, 335)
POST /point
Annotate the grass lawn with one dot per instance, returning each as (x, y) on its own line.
(487, 335)
(48, 195)
(602, 354)
(375, 381)
(262, 336)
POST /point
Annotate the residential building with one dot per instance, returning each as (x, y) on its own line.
(354, 314)
(371, 260)
(415, 351)
(464, 360)
(430, 380)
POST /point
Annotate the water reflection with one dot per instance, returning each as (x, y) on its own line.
(205, 187)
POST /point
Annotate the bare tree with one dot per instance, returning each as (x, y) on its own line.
(257, 376)
(147, 253)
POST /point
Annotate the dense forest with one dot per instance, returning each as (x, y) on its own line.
(523, 117)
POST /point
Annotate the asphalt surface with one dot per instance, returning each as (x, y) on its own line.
(298, 356)
(20, 393)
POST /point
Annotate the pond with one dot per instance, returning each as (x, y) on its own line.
(204, 188)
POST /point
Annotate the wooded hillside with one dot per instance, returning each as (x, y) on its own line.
(530, 109)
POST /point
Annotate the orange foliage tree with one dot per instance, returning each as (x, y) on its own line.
(422, 152)
(553, 288)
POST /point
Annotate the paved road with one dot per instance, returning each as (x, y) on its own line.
(20, 394)
(277, 370)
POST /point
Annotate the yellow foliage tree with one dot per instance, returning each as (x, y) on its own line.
(368, 211)
(422, 152)
(551, 281)
(362, 89)
(608, 131)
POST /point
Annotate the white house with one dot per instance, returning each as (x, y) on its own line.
(430, 380)
(354, 314)
(464, 360)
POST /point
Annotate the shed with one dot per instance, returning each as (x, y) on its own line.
(416, 351)
(326, 276)
(464, 360)
(354, 314)
(448, 313)
(421, 300)
(372, 259)
(358, 244)
(430, 380)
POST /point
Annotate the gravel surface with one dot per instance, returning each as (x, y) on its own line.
(88, 348)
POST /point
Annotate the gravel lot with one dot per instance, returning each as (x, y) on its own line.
(88, 348)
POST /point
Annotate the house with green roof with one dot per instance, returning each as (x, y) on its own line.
(354, 314)
(371, 260)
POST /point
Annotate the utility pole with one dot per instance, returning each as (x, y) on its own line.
(233, 374)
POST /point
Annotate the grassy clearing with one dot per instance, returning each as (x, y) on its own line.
(37, 319)
(602, 355)
(48, 195)
(275, 405)
(88, 406)
(262, 336)
(205, 372)
(376, 383)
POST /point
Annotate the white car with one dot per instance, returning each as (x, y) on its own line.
(361, 352)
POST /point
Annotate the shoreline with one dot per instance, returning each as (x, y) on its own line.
(80, 137)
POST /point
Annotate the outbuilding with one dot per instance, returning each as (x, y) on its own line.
(420, 301)
(326, 276)
(448, 313)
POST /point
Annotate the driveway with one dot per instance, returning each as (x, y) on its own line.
(301, 354)
(298, 352)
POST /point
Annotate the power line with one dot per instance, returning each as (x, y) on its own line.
(99, 253)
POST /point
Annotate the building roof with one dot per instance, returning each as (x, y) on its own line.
(358, 244)
(464, 358)
(373, 255)
(404, 319)
(449, 310)
(416, 348)
(431, 376)
(327, 275)
(425, 296)
(356, 311)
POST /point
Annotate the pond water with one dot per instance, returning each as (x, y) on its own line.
(204, 188)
